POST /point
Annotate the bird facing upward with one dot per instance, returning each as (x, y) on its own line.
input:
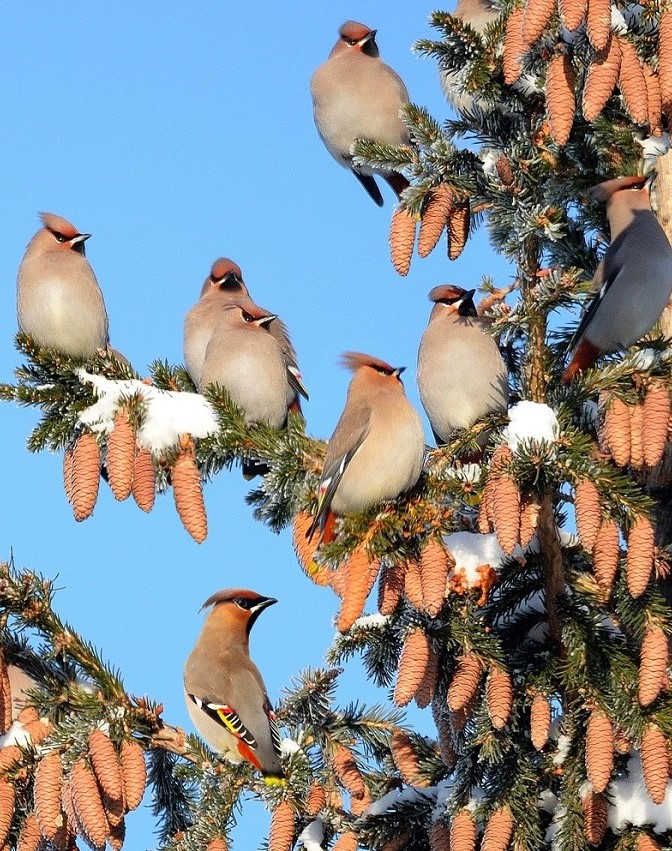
(59, 302)
(357, 96)
(634, 277)
(224, 691)
(461, 373)
(377, 448)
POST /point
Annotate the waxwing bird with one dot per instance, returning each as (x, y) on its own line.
(478, 14)
(634, 277)
(224, 692)
(59, 302)
(357, 96)
(376, 451)
(223, 286)
(461, 373)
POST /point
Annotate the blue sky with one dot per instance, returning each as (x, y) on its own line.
(176, 133)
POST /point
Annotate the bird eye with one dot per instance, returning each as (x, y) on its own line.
(243, 603)
(351, 41)
(59, 237)
(247, 317)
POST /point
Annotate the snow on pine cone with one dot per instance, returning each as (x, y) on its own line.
(535, 17)
(106, 764)
(599, 749)
(560, 97)
(588, 512)
(47, 794)
(434, 218)
(391, 586)
(572, 13)
(188, 491)
(463, 831)
(514, 46)
(498, 831)
(656, 420)
(402, 239)
(652, 665)
(405, 757)
(281, 835)
(362, 574)
(540, 721)
(120, 456)
(655, 762)
(639, 560)
(499, 697)
(143, 487)
(595, 815)
(606, 555)
(412, 666)
(598, 23)
(601, 79)
(134, 771)
(458, 228)
(435, 564)
(465, 682)
(85, 475)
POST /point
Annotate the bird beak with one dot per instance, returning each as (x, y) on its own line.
(81, 237)
(266, 320)
(465, 306)
(370, 36)
(264, 604)
(397, 372)
(231, 278)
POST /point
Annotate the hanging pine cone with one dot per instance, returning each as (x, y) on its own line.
(425, 691)
(5, 696)
(595, 817)
(316, 800)
(47, 794)
(30, 837)
(120, 456)
(588, 513)
(463, 832)
(572, 13)
(346, 842)
(601, 79)
(665, 59)
(632, 83)
(85, 475)
(412, 666)
(599, 750)
(362, 575)
(434, 218)
(188, 491)
(485, 509)
(499, 697)
(606, 555)
(465, 682)
(537, 14)
(617, 430)
(560, 97)
(304, 548)
(646, 842)
(505, 503)
(134, 771)
(217, 844)
(337, 579)
(529, 519)
(652, 665)
(405, 757)
(143, 487)
(391, 586)
(413, 584)
(281, 836)
(68, 464)
(88, 803)
(654, 101)
(598, 23)
(507, 178)
(514, 46)
(444, 733)
(655, 765)
(7, 804)
(540, 721)
(439, 837)
(458, 228)
(656, 418)
(636, 444)
(402, 239)
(347, 771)
(498, 831)
(434, 568)
(639, 561)
(106, 764)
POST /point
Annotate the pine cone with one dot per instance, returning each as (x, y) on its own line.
(617, 430)
(188, 491)
(606, 555)
(598, 23)
(362, 575)
(656, 418)
(412, 666)
(402, 239)
(655, 766)
(305, 549)
(646, 842)
(636, 445)
(144, 479)
(654, 101)
(507, 178)
(595, 817)
(345, 768)
(506, 511)
(425, 693)
(560, 97)
(106, 764)
(10, 758)
(346, 842)
(514, 46)
(540, 721)
(498, 831)
(444, 733)
(434, 218)
(38, 730)
(337, 579)
(5, 696)
(434, 569)
(458, 229)
(601, 79)
(486, 508)
(391, 586)
(88, 804)
(30, 837)
(632, 83)
(537, 14)
(217, 844)
(47, 794)
(588, 513)
(316, 800)
(413, 584)
(499, 697)
(68, 463)
(599, 750)
(439, 837)
(120, 456)
(359, 805)
(281, 836)
(134, 771)
(665, 59)
(463, 832)
(85, 475)
(639, 561)
(465, 682)
(529, 519)
(652, 665)
(7, 803)
(405, 757)
(572, 13)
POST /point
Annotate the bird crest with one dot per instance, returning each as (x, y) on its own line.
(355, 360)
(354, 31)
(603, 191)
(228, 594)
(222, 266)
(57, 224)
(446, 292)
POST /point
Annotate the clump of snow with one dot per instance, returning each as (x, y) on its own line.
(472, 550)
(16, 735)
(568, 540)
(654, 146)
(618, 23)
(489, 159)
(548, 801)
(383, 804)
(312, 835)
(168, 414)
(444, 790)
(530, 421)
(630, 802)
(375, 621)
(643, 359)
(465, 473)
(289, 746)
(564, 743)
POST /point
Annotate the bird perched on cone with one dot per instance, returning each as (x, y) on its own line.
(455, 341)
(224, 286)
(376, 451)
(59, 302)
(225, 694)
(357, 96)
(634, 277)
